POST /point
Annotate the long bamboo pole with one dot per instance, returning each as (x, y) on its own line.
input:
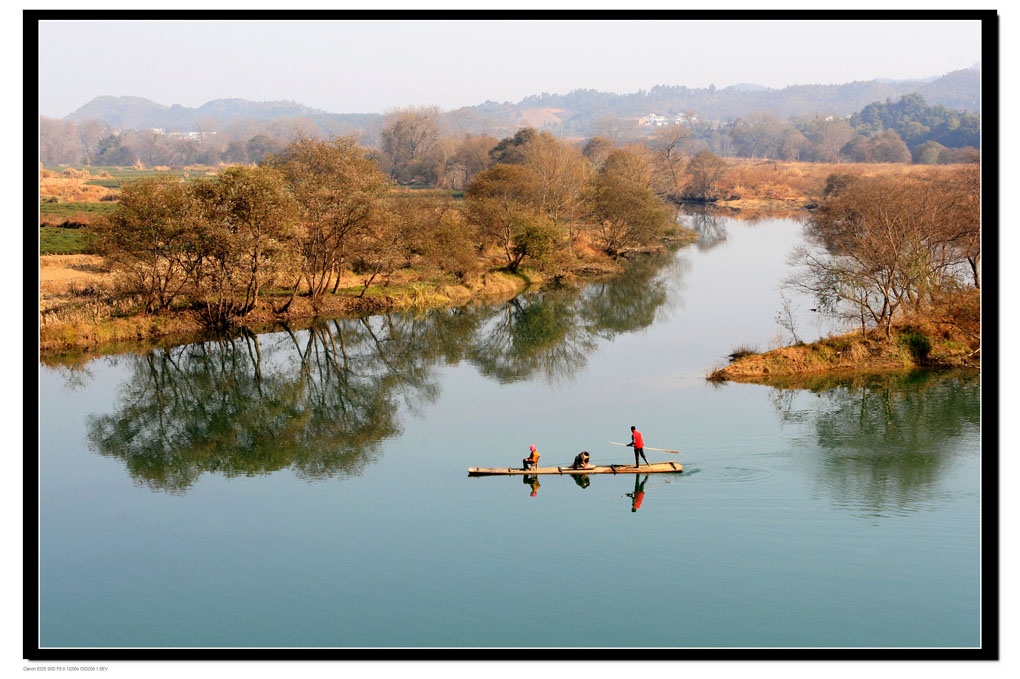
(664, 450)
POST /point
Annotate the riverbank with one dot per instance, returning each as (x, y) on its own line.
(85, 316)
(80, 309)
(908, 348)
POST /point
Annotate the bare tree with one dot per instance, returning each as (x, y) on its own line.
(339, 191)
(408, 135)
(882, 246)
(785, 319)
(59, 141)
(150, 240)
(705, 171)
(625, 210)
(668, 144)
(90, 132)
(563, 175)
(607, 127)
(249, 236)
(470, 157)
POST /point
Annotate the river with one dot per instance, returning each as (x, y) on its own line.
(308, 487)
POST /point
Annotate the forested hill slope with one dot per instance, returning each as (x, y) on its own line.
(957, 90)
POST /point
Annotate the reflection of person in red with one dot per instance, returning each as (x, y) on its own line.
(639, 492)
(638, 442)
(532, 481)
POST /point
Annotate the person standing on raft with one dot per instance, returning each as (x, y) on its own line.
(638, 444)
(532, 461)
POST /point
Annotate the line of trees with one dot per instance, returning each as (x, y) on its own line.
(884, 249)
(424, 145)
(319, 209)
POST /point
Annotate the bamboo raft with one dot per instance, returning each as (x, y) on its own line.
(654, 468)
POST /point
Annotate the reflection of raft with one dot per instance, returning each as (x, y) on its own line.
(655, 468)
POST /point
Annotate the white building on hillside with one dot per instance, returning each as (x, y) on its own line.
(655, 120)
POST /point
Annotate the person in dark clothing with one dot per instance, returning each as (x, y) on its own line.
(638, 443)
(581, 461)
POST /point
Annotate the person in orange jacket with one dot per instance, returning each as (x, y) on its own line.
(532, 461)
(638, 442)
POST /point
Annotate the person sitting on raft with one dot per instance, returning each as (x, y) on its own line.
(581, 460)
(532, 461)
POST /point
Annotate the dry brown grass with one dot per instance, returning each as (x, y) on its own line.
(953, 343)
(71, 266)
(64, 279)
(71, 189)
(761, 181)
(835, 354)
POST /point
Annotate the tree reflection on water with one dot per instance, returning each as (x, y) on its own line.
(708, 224)
(886, 439)
(320, 399)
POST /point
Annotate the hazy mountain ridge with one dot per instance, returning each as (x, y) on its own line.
(140, 113)
(957, 90)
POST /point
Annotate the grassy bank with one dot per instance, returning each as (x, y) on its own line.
(856, 381)
(85, 317)
(910, 346)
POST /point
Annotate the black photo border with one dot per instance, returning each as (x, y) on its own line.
(990, 507)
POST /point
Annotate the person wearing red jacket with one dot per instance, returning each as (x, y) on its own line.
(638, 443)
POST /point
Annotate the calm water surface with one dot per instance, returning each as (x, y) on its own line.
(308, 487)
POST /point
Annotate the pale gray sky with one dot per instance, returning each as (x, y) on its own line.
(371, 66)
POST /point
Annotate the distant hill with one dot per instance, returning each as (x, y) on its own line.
(571, 113)
(138, 113)
(123, 112)
(958, 90)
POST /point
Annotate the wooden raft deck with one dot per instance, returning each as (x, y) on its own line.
(655, 468)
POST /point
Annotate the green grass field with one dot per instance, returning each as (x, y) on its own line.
(55, 240)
